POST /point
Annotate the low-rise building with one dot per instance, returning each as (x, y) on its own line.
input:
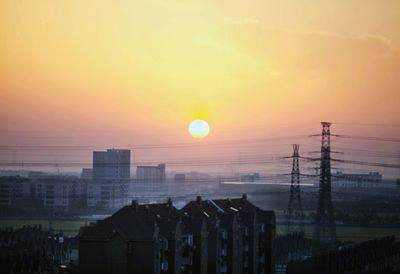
(210, 236)
(356, 180)
(50, 191)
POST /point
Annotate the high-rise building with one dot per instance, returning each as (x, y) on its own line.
(113, 164)
(151, 174)
(87, 173)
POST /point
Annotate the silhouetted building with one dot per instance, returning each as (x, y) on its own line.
(211, 236)
(260, 232)
(198, 228)
(197, 209)
(137, 239)
(113, 164)
(248, 236)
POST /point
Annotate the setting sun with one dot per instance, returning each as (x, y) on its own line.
(199, 128)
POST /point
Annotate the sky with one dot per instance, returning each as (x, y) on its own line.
(127, 73)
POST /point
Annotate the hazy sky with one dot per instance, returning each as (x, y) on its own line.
(118, 73)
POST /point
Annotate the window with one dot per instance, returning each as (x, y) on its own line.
(164, 266)
(224, 234)
(189, 240)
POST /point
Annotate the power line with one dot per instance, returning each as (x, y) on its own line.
(366, 163)
(156, 146)
(369, 138)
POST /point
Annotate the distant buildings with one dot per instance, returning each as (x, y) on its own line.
(179, 178)
(250, 177)
(197, 177)
(114, 164)
(87, 173)
(210, 236)
(356, 180)
(54, 192)
(151, 174)
(13, 189)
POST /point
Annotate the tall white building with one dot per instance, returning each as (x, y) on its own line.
(113, 164)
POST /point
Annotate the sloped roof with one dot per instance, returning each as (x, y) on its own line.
(128, 225)
(202, 209)
(156, 210)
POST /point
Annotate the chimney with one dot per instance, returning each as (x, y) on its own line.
(198, 200)
(135, 205)
(169, 202)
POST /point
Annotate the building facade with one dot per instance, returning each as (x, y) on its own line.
(211, 236)
(113, 164)
(357, 180)
(52, 191)
(151, 174)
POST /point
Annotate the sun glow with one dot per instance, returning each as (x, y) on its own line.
(199, 128)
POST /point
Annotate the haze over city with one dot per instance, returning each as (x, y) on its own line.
(284, 112)
(132, 73)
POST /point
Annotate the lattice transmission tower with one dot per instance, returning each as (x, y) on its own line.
(325, 230)
(295, 215)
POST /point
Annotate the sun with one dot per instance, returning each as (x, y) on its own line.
(199, 128)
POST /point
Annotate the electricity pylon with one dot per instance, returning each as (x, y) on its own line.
(295, 215)
(325, 230)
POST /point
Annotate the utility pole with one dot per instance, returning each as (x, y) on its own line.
(325, 230)
(295, 215)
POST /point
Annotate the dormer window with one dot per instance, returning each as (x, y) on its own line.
(189, 240)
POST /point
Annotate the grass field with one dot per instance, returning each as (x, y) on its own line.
(344, 233)
(352, 233)
(68, 227)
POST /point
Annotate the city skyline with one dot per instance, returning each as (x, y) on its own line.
(135, 74)
(213, 136)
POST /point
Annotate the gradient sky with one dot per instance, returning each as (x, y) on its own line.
(120, 73)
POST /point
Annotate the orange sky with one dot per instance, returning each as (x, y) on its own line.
(80, 71)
